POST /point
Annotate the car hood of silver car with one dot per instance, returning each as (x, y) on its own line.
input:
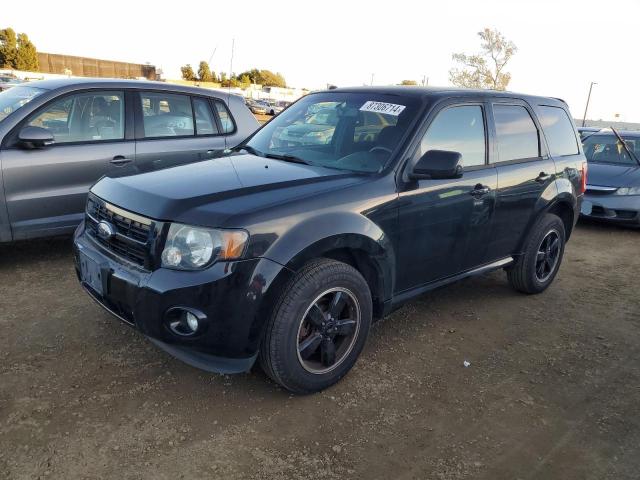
(610, 175)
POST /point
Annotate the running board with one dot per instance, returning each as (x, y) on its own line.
(408, 294)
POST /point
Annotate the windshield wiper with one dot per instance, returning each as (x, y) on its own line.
(287, 158)
(626, 147)
(249, 149)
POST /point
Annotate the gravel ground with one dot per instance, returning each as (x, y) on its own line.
(552, 390)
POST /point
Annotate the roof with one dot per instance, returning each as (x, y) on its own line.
(422, 92)
(86, 82)
(608, 131)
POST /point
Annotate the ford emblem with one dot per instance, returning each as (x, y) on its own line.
(106, 230)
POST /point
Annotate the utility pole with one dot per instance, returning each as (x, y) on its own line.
(584, 118)
(372, 75)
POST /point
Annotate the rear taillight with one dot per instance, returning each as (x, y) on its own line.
(583, 180)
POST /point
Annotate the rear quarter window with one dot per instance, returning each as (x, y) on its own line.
(226, 120)
(558, 130)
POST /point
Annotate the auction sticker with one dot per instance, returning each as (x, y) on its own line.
(381, 107)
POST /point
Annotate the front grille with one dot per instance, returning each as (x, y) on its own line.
(133, 233)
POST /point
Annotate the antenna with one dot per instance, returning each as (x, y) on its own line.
(233, 44)
(212, 54)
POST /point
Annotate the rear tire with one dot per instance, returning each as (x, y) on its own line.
(537, 267)
(318, 327)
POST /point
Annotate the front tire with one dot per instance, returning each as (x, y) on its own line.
(536, 268)
(318, 327)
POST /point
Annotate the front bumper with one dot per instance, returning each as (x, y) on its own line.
(230, 294)
(621, 209)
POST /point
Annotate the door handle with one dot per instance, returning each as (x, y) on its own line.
(120, 160)
(543, 177)
(479, 190)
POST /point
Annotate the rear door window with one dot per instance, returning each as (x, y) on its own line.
(559, 131)
(517, 134)
(205, 123)
(166, 114)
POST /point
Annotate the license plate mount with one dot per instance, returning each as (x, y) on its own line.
(91, 273)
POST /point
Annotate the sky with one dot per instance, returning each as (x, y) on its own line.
(563, 45)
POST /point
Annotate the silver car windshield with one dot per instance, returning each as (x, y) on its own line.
(346, 131)
(16, 97)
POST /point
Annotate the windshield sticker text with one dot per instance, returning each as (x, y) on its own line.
(381, 107)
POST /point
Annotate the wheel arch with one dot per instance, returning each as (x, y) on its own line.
(347, 237)
(565, 210)
(558, 199)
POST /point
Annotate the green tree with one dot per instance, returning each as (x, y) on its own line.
(214, 77)
(408, 82)
(264, 77)
(188, 73)
(223, 78)
(271, 79)
(245, 80)
(8, 48)
(27, 57)
(204, 72)
(485, 69)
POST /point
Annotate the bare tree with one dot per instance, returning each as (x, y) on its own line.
(485, 69)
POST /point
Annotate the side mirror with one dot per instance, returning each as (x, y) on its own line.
(438, 164)
(35, 137)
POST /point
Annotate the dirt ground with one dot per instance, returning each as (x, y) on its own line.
(552, 390)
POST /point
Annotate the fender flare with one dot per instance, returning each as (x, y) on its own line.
(559, 193)
(319, 235)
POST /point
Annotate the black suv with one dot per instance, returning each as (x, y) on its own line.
(285, 249)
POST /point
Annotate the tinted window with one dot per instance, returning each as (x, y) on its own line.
(205, 124)
(225, 117)
(458, 129)
(84, 117)
(559, 131)
(517, 134)
(341, 130)
(607, 148)
(370, 124)
(166, 114)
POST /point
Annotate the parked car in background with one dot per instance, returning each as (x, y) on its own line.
(58, 137)
(8, 81)
(285, 253)
(257, 108)
(273, 108)
(613, 192)
(586, 131)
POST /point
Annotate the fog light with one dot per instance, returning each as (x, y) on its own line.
(185, 323)
(192, 321)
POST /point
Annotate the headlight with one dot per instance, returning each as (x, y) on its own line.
(628, 191)
(192, 248)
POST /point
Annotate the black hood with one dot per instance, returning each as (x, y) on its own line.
(209, 192)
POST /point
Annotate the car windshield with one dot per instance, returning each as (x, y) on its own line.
(346, 131)
(14, 98)
(606, 148)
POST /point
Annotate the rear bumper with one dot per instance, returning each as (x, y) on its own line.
(620, 209)
(230, 295)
